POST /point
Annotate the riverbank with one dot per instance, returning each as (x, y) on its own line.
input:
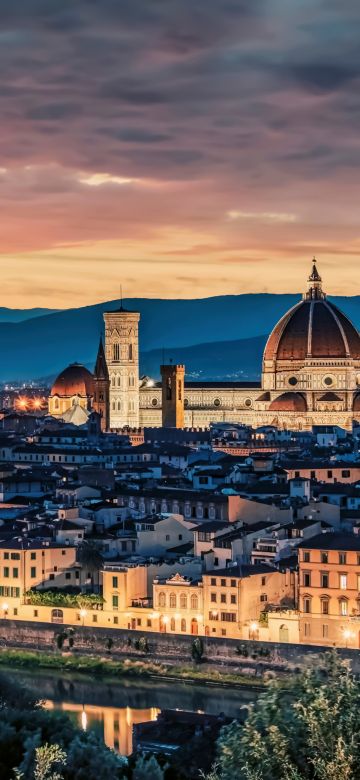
(128, 668)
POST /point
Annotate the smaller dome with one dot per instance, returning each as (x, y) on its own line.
(289, 402)
(74, 380)
(356, 404)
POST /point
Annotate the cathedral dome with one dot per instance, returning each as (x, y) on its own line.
(313, 328)
(289, 402)
(74, 380)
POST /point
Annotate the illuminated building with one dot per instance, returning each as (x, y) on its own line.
(310, 376)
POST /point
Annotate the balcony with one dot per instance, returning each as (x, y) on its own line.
(142, 603)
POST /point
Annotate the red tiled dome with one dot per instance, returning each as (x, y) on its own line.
(74, 380)
(313, 329)
(289, 402)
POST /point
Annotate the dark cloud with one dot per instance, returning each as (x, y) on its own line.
(244, 105)
(324, 77)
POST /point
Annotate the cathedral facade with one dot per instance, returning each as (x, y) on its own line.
(310, 376)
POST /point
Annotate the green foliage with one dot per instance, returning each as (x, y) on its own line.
(109, 643)
(306, 730)
(87, 759)
(141, 644)
(58, 598)
(44, 745)
(147, 768)
(49, 758)
(92, 664)
(197, 649)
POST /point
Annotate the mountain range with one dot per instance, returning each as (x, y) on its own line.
(217, 338)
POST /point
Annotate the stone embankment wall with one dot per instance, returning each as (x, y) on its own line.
(167, 648)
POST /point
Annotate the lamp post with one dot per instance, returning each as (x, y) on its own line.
(5, 609)
(253, 630)
(83, 614)
(165, 622)
(347, 634)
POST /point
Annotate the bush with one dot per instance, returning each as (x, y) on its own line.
(197, 649)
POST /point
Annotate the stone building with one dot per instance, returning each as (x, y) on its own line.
(310, 376)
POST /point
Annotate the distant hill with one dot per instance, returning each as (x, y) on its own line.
(238, 360)
(19, 315)
(43, 345)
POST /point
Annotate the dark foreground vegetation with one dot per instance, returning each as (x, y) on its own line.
(307, 728)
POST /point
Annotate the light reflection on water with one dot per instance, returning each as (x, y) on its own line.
(113, 724)
(110, 708)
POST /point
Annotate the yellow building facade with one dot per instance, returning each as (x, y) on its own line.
(329, 590)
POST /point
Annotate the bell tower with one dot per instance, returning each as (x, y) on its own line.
(172, 377)
(101, 388)
(122, 359)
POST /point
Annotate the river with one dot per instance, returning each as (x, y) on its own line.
(111, 708)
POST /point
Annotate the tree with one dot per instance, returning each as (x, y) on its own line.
(307, 729)
(88, 759)
(197, 650)
(147, 769)
(49, 758)
(90, 558)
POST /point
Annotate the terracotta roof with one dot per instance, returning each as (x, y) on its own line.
(74, 380)
(313, 328)
(332, 541)
(289, 402)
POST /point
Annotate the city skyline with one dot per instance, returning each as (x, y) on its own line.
(180, 153)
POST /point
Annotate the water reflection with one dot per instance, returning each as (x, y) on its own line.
(111, 707)
(113, 724)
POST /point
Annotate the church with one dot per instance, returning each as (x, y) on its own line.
(310, 376)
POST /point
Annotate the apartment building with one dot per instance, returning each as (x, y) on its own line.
(329, 590)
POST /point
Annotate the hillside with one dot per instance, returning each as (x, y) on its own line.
(238, 360)
(43, 345)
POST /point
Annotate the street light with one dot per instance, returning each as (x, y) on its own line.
(5, 608)
(347, 634)
(165, 622)
(253, 629)
(83, 614)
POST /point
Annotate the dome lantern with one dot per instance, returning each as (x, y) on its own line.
(314, 291)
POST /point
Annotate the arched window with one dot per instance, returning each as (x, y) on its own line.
(116, 352)
(173, 600)
(324, 602)
(119, 406)
(172, 624)
(113, 406)
(162, 599)
(57, 616)
(307, 604)
(131, 380)
(130, 352)
(183, 625)
(194, 601)
(113, 381)
(57, 403)
(343, 607)
(118, 380)
(183, 601)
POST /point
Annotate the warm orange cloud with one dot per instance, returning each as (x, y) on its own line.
(177, 153)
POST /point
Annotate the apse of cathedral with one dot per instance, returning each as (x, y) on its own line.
(310, 376)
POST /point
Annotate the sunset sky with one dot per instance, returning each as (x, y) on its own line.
(181, 148)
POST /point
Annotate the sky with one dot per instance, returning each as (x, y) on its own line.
(179, 148)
